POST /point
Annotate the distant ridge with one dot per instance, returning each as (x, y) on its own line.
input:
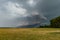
(25, 26)
(29, 26)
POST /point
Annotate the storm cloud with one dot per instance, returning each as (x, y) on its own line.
(15, 13)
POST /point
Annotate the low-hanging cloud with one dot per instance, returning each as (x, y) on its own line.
(15, 13)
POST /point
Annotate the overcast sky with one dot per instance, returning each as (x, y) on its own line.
(24, 12)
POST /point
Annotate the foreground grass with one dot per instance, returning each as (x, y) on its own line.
(30, 34)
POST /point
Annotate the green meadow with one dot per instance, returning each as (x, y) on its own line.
(29, 33)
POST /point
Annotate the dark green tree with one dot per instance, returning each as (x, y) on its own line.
(55, 22)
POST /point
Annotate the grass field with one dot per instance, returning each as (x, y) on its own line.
(29, 33)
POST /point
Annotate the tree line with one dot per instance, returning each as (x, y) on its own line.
(54, 23)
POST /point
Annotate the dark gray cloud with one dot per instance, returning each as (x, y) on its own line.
(50, 8)
(24, 12)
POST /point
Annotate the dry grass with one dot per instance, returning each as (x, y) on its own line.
(29, 33)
